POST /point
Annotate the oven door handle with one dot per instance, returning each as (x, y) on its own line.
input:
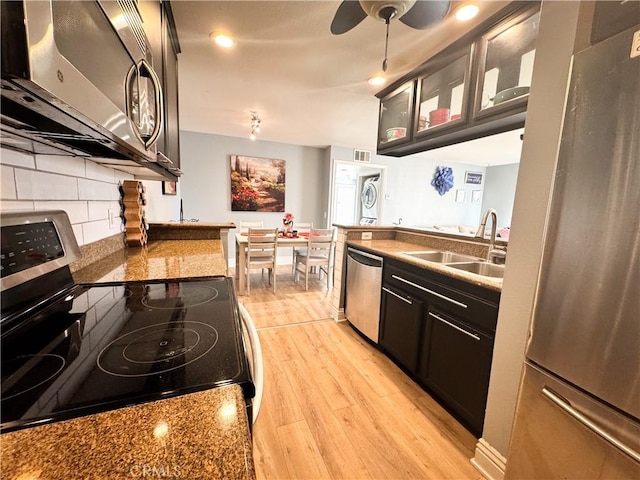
(256, 358)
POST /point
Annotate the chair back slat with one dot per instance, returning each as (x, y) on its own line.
(245, 226)
(262, 242)
(320, 241)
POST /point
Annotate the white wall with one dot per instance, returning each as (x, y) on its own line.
(545, 113)
(500, 190)
(161, 207)
(411, 196)
(82, 188)
(205, 186)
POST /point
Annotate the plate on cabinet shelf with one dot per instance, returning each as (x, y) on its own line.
(509, 94)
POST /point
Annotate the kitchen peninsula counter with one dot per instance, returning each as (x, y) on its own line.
(395, 248)
(392, 240)
(159, 260)
(199, 435)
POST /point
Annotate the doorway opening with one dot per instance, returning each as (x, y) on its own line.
(357, 193)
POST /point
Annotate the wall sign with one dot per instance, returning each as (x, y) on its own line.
(474, 178)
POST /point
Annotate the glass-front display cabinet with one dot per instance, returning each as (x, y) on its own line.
(443, 92)
(506, 64)
(394, 125)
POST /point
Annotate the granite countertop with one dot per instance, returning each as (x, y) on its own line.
(193, 224)
(393, 249)
(201, 435)
(157, 261)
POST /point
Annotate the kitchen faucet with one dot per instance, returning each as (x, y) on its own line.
(494, 253)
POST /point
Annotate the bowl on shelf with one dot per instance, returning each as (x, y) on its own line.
(396, 132)
(509, 94)
(438, 116)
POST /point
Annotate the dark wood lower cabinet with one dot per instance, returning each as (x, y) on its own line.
(440, 330)
(456, 365)
(401, 327)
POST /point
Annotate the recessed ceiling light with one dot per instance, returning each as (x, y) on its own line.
(467, 12)
(376, 80)
(221, 39)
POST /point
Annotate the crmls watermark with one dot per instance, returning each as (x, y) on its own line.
(155, 471)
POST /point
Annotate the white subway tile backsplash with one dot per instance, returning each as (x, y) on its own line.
(74, 166)
(8, 183)
(94, 231)
(122, 176)
(18, 159)
(16, 205)
(34, 185)
(99, 210)
(77, 231)
(95, 190)
(80, 187)
(98, 172)
(77, 211)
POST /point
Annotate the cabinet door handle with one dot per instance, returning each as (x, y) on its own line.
(587, 422)
(439, 295)
(462, 330)
(406, 300)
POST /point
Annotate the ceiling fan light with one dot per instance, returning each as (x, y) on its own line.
(222, 40)
(467, 12)
(375, 8)
(377, 80)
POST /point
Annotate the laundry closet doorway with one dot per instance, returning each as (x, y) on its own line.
(357, 193)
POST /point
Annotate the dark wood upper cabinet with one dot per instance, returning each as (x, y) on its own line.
(159, 25)
(443, 92)
(395, 120)
(477, 86)
(505, 65)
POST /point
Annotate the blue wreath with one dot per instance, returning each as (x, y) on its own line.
(443, 179)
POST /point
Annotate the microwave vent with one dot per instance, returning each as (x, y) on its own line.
(362, 156)
(132, 14)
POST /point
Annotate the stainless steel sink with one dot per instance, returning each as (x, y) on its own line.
(481, 268)
(442, 257)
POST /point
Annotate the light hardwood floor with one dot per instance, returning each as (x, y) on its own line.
(334, 406)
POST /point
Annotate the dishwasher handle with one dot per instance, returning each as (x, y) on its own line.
(364, 257)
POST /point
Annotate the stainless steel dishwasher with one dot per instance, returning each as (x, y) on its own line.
(364, 284)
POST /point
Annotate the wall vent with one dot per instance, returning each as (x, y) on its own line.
(362, 156)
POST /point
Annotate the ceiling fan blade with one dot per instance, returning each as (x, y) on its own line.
(425, 13)
(348, 15)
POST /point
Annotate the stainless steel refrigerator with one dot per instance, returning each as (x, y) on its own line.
(579, 407)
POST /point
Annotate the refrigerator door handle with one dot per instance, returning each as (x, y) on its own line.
(587, 422)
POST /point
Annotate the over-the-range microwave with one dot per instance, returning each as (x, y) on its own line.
(78, 76)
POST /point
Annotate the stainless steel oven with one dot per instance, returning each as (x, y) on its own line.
(69, 350)
(86, 67)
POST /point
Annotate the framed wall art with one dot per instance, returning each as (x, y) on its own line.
(169, 188)
(257, 184)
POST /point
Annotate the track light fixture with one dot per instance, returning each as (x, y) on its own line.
(255, 125)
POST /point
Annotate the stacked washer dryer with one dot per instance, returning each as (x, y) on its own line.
(369, 201)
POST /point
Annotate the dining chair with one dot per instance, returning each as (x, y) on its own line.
(302, 228)
(319, 253)
(245, 226)
(262, 249)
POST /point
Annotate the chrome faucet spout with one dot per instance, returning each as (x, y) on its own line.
(493, 253)
(483, 224)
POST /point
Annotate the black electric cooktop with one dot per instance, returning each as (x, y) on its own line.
(99, 347)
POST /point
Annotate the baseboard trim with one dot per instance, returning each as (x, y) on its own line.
(488, 461)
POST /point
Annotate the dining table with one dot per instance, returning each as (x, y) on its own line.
(242, 241)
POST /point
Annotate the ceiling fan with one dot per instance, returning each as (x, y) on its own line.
(420, 14)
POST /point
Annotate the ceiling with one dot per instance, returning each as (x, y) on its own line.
(308, 86)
